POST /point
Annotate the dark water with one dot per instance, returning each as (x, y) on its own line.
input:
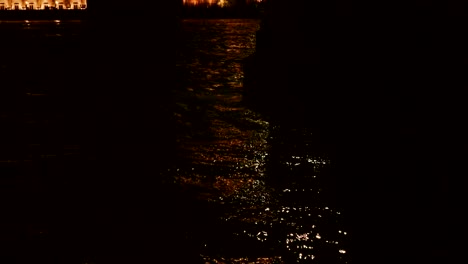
(70, 137)
(41, 140)
(242, 189)
(249, 190)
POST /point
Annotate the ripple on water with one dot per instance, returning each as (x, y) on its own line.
(266, 180)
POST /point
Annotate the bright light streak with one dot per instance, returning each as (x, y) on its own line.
(222, 3)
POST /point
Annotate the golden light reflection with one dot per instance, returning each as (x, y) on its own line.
(222, 3)
(229, 152)
(260, 260)
(231, 169)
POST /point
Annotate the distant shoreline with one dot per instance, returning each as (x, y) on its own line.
(43, 14)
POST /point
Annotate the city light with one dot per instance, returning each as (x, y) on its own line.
(42, 5)
(222, 3)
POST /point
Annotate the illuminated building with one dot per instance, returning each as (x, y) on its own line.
(42, 4)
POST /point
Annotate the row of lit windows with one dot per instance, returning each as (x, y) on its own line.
(45, 6)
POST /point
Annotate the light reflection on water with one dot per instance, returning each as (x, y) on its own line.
(268, 180)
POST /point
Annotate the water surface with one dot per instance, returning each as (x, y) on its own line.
(253, 191)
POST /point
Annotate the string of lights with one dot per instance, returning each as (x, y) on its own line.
(42, 4)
